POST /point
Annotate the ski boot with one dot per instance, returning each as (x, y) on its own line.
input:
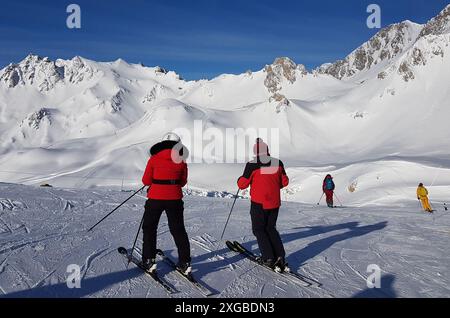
(185, 268)
(265, 262)
(149, 265)
(281, 266)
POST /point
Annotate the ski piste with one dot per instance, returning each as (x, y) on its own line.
(169, 289)
(294, 277)
(190, 278)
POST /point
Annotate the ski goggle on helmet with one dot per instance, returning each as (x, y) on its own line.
(171, 136)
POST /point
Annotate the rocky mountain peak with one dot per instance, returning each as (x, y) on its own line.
(44, 73)
(387, 44)
(439, 24)
(33, 70)
(77, 70)
(282, 69)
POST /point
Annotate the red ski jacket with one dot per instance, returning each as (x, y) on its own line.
(266, 177)
(165, 176)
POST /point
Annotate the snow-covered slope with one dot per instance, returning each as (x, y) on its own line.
(80, 123)
(43, 231)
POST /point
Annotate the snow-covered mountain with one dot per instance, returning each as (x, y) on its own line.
(379, 117)
(398, 47)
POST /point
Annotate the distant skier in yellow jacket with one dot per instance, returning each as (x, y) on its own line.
(422, 195)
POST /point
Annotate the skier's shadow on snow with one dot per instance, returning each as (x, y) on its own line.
(386, 289)
(297, 259)
(89, 286)
(315, 248)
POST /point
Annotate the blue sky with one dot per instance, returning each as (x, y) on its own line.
(199, 38)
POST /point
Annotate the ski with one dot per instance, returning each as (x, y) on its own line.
(190, 278)
(131, 258)
(294, 277)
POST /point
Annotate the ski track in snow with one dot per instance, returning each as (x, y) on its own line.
(44, 231)
(90, 259)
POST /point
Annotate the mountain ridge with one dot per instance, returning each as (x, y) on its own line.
(91, 119)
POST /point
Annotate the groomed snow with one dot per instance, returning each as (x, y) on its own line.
(43, 230)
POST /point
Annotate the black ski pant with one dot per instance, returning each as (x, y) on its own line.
(174, 210)
(264, 228)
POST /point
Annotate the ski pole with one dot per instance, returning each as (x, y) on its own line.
(135, 240)
(318, 203)
(226, 224)
(115, 209)
(338, 199)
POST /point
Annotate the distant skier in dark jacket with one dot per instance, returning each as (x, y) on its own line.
(266, 176)
(328, 188)
(166, 173)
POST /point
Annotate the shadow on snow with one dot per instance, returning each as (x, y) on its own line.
(215, 260)
(385, 291)
(204, 264)
(89, 286)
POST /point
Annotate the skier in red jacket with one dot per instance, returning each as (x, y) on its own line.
(328, 188)
(166, 173)
(266, 176)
